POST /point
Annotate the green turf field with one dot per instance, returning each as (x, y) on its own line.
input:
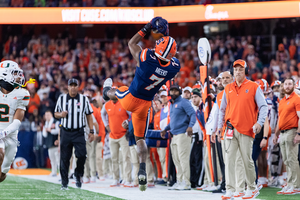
(270, 194)
(22, 188)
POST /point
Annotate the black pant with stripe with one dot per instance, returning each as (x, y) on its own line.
(68, 140)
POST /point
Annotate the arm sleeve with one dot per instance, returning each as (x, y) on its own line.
(190, 112)
(168, 127)
(24, 100)
(88, 107)
(273, 120)
(56, 129)
(103, 116)
(45, 134)
(212, 122)
(222, 110)
(262, 106)
(58, 106)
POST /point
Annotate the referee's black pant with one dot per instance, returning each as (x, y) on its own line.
(68, 140)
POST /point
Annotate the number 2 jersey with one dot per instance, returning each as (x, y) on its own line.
(9, 103)
(151, 75)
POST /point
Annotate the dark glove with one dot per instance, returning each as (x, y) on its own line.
(147, 28)
(160, 25)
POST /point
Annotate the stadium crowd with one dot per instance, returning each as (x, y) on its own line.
(116, 3)
(54, 61)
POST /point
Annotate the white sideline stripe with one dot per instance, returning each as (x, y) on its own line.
(121, 95)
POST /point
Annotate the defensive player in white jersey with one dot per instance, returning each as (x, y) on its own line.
(13, 102)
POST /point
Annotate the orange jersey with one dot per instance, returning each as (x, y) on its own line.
(288, 108)
(116, 115)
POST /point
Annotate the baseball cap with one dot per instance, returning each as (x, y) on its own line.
(196, 91)
(163, 93)
(73, 80)
(175, 87)
(240, 62)
(187, 88)
(220, 76)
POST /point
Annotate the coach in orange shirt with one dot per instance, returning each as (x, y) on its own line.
(116, 116)
(289, 128)
(241, 102)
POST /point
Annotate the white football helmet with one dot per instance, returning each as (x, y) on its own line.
(11, 73)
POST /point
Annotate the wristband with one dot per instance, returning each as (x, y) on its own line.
(91, 131)
(265, 138)
(141, 33)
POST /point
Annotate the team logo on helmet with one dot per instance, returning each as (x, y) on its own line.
(165, 48)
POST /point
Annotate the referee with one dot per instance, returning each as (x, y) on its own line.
(71, 108)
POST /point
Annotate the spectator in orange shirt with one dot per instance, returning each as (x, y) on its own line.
(289, 128)
(34, 102)
(117, 139)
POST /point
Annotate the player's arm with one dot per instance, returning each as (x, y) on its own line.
(15, 125)
(134, 48)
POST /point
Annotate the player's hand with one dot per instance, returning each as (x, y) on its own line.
(297, 139)
(163, 134)
(275, 139)
(3, 134)
(160, 25)
(147, 28)
(48, 129)
(91, 137)
(125, 124)
(56, 142)
(263, 143)
(256, 128)
(98, 139)
(189, 131)
(108, 128)
(213, 138)
(64, 114)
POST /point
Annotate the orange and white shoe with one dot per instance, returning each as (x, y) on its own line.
(115, 183)
(238, 194)
(284, 189)
(228, 195)
(202, 187)
(150, 185)
(85, 180)
(127, 184)
(292, 191)
(101, 178)
(93, 179)
(251, 194)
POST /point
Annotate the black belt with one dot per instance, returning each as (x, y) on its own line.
(71, 129)
(282, 131)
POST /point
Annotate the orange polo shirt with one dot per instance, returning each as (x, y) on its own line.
(157, 121)
(116, 115)
(288, 108)
(97, 115)
(241, 108)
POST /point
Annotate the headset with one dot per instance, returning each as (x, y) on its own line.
(246, 69)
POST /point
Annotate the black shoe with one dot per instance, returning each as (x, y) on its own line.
(220, 190)
(161, 182)
(78, 182)
(64, 188)
(142, 176)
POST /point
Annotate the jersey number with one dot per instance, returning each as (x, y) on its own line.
(157, 81)
(4, 110)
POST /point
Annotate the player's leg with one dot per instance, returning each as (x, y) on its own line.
(108, 92)
(140, 122)
(2, 153)
(11, 148)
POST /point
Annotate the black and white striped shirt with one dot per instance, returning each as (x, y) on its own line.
(77, 108)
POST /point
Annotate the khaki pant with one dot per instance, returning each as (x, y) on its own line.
(162, 158)
(90, 162)
(136, 166)
(240, 176)
(99, 159)
(115, 145)
(289, 153)
(181, 149)
(244, 144)
(107, 167)
(54, 159)
(208, 179)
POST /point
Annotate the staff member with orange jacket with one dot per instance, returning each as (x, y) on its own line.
(289, 128)
(116, 116)
(241, 102)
